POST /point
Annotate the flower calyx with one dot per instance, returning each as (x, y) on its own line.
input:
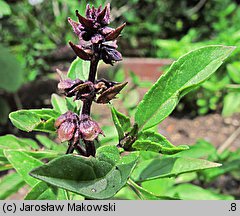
(108, 90)
(89, 129)
(68, 127)
(103, 91)
(71, 128)
(81, 90)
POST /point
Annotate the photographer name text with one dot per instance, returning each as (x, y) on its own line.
(70, 207)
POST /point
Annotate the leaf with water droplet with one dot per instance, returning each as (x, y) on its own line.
(95, 178)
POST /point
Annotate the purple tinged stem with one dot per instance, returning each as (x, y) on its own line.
(70, 149)
(86, 108)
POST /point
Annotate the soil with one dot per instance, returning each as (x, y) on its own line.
(212, 127)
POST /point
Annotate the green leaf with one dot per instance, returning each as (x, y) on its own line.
(97, 178)
(158, 186)
(35, 120)
(210, 175)
(59, 104)
(193, 192)
(119, 75)
(146, 145)
(10, 141)
(134, 78)
(202, 149)
(49, 144)
(43, 154)
(121, 122)
(234, 71)
(231, 103)
(185, 74)
(151, 141)
(168, 167)
(63, 194)
(11, 72)
(23, 164)
(126, 193)
(42, 191)
(79, 69)
(74, 106)
(146, 155)
(147, 195)
(4, 9)
(5, 166)
(10, 184)
(25, 145)
(111, 136)
(45, 141)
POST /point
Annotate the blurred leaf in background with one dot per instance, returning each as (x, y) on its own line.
(4, 9)
(11, 72)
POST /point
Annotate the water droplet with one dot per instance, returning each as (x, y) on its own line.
(93, 190)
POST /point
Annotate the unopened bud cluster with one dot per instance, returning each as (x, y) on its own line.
(95, 36)
(71, 127)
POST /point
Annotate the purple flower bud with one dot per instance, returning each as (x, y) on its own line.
(66, 131)
(88, 12)
(97, 38)
(67, 84)
(89, 129)
(87, 23)
(93, 31)
(80, 52)
(110, 55)
(106, 20)
(111, 92)
(106, 30)
(67, 126)
(82, 90)
(102, 14)
(114, 34)
(76, 26)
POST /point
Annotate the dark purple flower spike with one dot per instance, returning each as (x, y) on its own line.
(97, 42)
(93, 30)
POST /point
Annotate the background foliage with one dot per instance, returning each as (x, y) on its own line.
(33, 36)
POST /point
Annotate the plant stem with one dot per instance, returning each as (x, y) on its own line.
(80, 149)
(70, 148)
(90, 148)
(86, 109)
(131, 184)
